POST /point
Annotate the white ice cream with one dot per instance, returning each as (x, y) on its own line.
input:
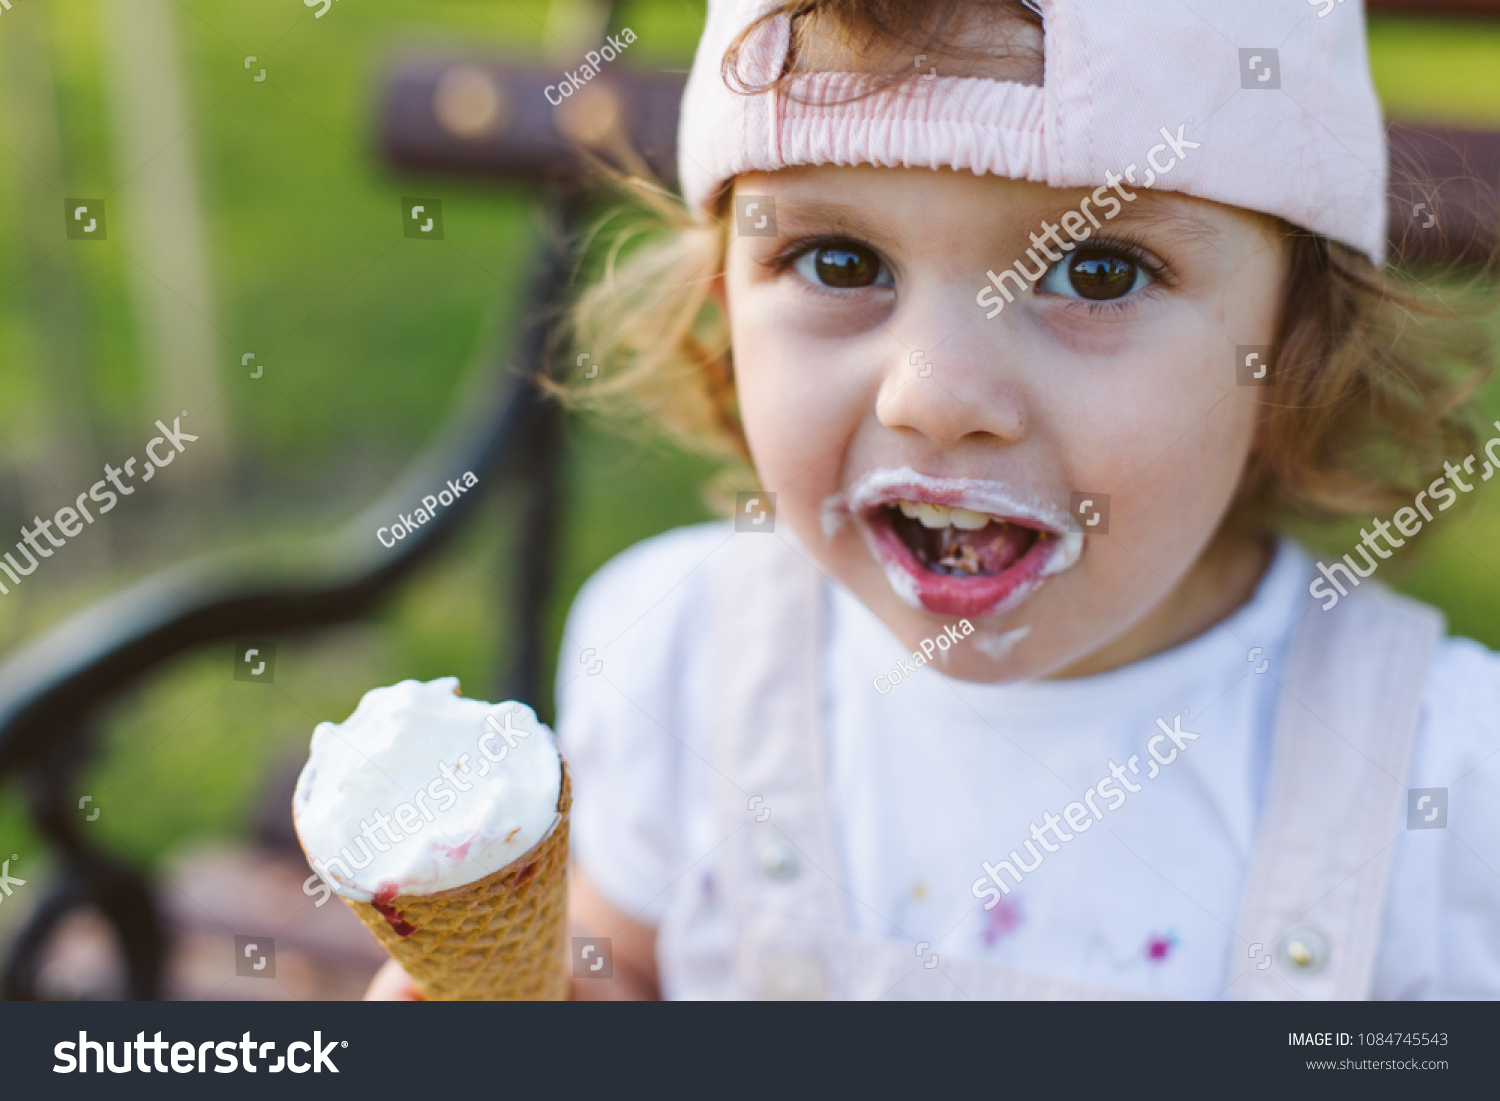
(421, 790)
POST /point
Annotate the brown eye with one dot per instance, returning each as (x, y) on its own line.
(1102, 276)
(846, 267)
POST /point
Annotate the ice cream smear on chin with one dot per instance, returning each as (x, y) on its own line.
(956, 546)
(420, 791)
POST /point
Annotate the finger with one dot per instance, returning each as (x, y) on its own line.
(392, 984)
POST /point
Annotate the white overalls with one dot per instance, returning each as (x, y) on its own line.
(1310, 918)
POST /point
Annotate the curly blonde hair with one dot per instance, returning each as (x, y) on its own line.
(1372, 379)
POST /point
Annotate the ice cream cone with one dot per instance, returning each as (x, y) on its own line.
(469, 895)
(500, 938)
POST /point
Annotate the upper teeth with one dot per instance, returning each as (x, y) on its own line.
(940, 516)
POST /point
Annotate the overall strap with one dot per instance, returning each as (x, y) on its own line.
(1350, 707)
(779, 865)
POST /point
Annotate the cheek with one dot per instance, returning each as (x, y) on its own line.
(1164, 432)
(798, 402)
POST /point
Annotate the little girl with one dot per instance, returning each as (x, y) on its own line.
(1035, 321)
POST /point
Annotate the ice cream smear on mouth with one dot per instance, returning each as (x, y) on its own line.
(421, 790)
(956, 546)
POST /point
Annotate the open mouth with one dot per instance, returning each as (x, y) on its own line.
(959, 548)
(960, 543)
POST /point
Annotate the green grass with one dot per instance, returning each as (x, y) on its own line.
(369, 341)
(1438, 70)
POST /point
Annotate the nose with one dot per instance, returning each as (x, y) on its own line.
(950, 388)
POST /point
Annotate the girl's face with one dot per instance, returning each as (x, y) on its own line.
(1055, 473)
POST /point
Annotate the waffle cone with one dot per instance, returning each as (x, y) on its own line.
(500, 938)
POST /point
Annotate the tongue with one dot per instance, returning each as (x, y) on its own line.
(961, 553)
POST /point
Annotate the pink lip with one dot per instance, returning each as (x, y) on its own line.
(867, 502)
(945, 595)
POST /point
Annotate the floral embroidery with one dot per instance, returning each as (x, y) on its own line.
(1158, 947)
(1000, 921)
(1154, 951)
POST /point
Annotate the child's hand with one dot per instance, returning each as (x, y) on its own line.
(392, 984)
(633, 945)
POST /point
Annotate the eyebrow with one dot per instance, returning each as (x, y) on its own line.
(845, 218)
(1171, 218)
(1156, 214)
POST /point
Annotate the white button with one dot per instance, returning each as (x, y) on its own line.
(779, 860)
(1304, 950)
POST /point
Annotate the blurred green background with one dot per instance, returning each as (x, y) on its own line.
(367, 341)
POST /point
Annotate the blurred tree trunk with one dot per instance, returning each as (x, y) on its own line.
(48, 441)
(157, 220)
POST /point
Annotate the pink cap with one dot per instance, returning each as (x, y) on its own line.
(1258, 104)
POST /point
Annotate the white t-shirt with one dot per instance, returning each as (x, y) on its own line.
(936, 775)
